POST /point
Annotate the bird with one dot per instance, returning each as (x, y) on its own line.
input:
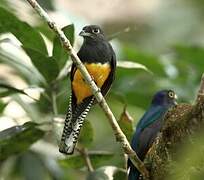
(99, 58)
(149, 126)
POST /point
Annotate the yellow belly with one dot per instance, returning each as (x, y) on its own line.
(99, 72)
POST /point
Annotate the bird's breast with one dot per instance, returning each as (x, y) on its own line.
(98, 71)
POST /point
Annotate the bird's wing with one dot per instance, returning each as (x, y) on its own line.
(151, 115)
(107, 84)
(147, 137)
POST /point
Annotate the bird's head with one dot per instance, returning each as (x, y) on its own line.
(92, 33)
(165, 98)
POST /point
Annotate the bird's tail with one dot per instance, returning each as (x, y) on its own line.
(72, 126)
(134, 174)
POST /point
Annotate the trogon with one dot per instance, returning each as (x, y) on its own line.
(148, 127)
(99, 58)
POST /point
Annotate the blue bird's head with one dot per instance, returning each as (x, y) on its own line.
(165, 98)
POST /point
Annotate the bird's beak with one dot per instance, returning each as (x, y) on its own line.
(83, 33)
(175, 98)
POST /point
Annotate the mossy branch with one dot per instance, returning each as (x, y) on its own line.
(95, 90)
(181, 123)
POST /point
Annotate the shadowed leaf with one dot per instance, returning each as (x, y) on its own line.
(47, 66)
(86, 134)
(193, 55)
(18, 138)
(97, 159)
(126, 124)
(59, 52)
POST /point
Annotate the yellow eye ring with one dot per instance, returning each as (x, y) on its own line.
(171, 94)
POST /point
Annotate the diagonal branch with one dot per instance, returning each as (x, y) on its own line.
(95, 90)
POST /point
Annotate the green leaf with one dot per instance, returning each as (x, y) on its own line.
(21, 68)
(149, 61)
(131, 65)
(191, 54)
(87, 134)
(2, 106)
(47, 66)
(18, 139)
(7, 90)
(126, 124)
(120, 175)
(77, 161)
(58, 52)
(30, 165)
(27, 35)
(100, 158)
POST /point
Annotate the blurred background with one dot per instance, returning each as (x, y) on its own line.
(158, 44)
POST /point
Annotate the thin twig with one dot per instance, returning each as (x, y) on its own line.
(95, 90)
(116, 34)
(54, 103)
(85, 155)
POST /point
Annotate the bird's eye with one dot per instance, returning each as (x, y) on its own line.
(96, 31)
(171, 94)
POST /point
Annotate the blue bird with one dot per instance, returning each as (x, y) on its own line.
(149, 126)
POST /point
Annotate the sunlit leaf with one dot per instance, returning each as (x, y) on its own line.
(7, 90)
(59, 53)
(126, 124)
(86, 134)
(131, 65)
(98, 175)
(47, 66)
(104, 173)
(21, 68)
(18, 138)
(149, 61)
(27, 35)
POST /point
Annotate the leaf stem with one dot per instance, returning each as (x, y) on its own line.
(84, 153)
(54, 104)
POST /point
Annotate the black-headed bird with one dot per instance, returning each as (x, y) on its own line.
(148, 127)
(98, 56)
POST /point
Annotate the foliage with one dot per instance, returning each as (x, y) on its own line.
(139, 75)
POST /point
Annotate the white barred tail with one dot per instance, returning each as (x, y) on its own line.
(72, 129)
